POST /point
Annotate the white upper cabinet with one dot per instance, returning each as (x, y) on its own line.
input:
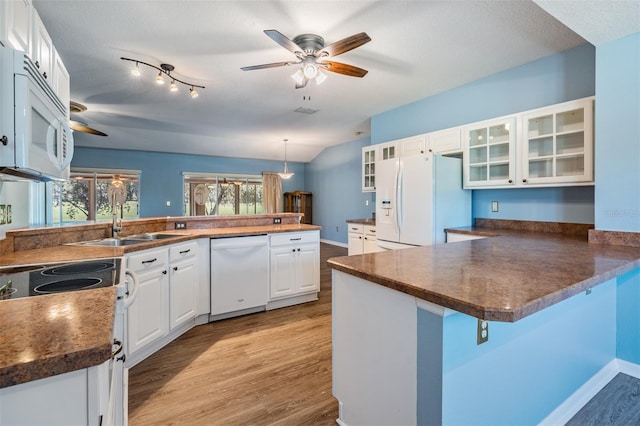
(15, 24)
(22, 29)
(60, 82)
(552, 146)
(490, 153)
(369, 168)
(445, 141)
(557, 144)
(42, 49)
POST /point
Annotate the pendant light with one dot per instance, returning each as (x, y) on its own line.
(286, 174)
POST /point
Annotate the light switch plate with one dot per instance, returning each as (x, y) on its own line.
(494, 206)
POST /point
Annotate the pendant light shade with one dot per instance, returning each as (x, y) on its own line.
(286, 174)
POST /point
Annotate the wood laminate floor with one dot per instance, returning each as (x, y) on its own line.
(617, 404)
(270, 368)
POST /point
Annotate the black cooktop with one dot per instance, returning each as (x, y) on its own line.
(37, 280)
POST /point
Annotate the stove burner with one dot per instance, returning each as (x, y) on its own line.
(78, 268)
(67, 285)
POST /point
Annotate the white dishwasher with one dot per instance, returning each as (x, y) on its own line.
(239, 275)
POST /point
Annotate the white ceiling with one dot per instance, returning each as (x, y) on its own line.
(418, 48)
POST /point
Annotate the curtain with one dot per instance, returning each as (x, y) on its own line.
(272, 192)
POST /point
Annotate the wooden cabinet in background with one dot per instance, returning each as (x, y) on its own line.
(299, 202)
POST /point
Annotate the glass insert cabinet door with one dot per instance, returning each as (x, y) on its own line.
(558, 144)
(369, 169)
(490, 148)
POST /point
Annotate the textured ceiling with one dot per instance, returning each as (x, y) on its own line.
(418, 48)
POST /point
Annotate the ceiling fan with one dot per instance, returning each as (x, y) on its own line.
(313, 55)
(78, 126)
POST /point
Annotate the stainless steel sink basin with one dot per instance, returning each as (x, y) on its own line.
(125, 241)
(150, 236)
(110, 242)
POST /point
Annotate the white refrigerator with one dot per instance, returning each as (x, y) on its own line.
(417, 197)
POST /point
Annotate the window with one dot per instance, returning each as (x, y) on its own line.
(85, 196)
(209, 194)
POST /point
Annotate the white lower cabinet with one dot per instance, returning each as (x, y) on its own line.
(166, 298)
(148, 315)
(295, 265)
(183, 283)
(362, 239)
(76, 398)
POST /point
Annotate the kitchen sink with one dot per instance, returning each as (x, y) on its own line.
(125, 241)
(150, 236)
(110, 242)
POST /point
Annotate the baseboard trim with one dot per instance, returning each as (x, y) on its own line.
(334, 243)
(570, 407)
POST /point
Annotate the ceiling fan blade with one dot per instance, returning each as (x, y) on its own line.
(263, 66)
(285, 42)
(345, 69)
(81, 127)
(344, 45)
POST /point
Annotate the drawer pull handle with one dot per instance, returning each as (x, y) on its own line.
(149, 261)
(240, 300)
(185, 251)
(295, 239)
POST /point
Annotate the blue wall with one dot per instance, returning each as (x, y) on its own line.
(161, 178)
(334, 178)
(566, 76)
(617, 151)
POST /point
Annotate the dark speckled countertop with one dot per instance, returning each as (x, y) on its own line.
(53, 334)
(505, 278)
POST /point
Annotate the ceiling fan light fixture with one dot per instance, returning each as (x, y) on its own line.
(320, 78)
(310, 71)
(298, 77)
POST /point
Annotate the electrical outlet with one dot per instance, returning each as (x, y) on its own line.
(337, 228)
(168, 203)
(277, 220)
(494, 206)
(483, 331)
(180, 225)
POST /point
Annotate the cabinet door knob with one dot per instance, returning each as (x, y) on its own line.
(293, 250)
(44, 74)
(510, 181)
(37, 64)
(164, 272)
(175, 268)
(524, 180)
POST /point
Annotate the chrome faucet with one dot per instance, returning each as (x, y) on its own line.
(115, 228)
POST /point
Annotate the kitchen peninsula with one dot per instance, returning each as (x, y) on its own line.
(409, 327)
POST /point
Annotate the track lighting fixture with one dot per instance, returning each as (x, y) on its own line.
(164, 70)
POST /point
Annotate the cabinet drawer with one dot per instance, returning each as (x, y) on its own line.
(355, 227)
(183, 251)
(294, 238)
(370, 230)
(148, 259)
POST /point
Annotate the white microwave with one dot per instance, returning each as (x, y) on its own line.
(36, 142)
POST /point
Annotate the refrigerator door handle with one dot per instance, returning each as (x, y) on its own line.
(399, 200)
